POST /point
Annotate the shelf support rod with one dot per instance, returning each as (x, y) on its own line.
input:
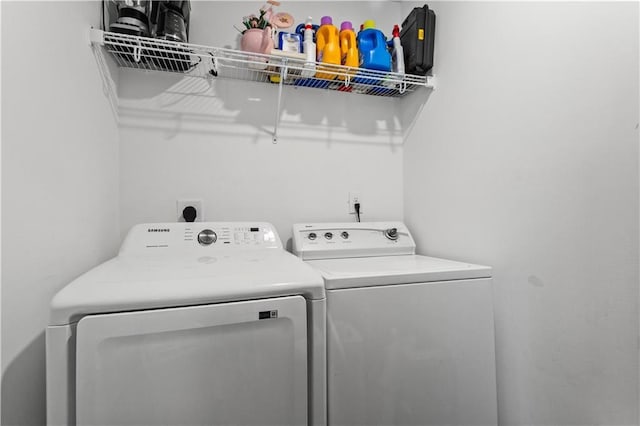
(283, 73)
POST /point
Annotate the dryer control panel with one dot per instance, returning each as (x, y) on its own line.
(201, 236)
(343, 240)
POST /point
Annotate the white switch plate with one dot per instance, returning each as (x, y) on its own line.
(354, 197)
(196, 203)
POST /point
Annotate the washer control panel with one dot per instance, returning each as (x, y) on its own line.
(343, 240)
(185, 236)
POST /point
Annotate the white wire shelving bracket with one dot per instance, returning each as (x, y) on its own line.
(194, 60)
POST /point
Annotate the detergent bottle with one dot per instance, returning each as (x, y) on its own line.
(372, 45)
(327, 48)
(397, 53)
(348, 48)
(309, 49)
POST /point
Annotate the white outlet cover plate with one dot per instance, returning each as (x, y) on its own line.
(353, 196)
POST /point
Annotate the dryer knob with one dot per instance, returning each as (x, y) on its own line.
(207, 237)
(391, 233)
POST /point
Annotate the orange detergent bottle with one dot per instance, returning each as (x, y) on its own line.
(327, 48)
(348, 48)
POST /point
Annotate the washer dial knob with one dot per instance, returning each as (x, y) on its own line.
(207, 237)
(328, 235)
(312, 236)
(391, 233)
(344, 234)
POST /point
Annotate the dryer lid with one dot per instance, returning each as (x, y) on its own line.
(390, 270)
(157, 268)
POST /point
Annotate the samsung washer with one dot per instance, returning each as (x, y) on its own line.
(410, 338)
(192, 323)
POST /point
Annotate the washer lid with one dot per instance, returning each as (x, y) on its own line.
(388, 270)
(131, 283)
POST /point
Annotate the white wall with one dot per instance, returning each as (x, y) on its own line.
(525, 158)
(216, 144)
(59, 182)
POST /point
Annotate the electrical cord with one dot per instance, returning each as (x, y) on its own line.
(356, 207)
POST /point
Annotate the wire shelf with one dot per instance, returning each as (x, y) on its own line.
(278, 67)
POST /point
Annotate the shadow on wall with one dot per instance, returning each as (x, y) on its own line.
(25, 403)
(175, 104)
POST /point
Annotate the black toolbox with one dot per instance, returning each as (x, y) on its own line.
(417, 37)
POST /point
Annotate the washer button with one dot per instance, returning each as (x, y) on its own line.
(391, 233)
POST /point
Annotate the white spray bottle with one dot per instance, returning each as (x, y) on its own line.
(397, 53)
(309, 49)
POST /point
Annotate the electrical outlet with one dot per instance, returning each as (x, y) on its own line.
(195, 203)
(354, 197)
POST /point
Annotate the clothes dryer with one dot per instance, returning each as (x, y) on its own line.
(410, 338)
(191, 324)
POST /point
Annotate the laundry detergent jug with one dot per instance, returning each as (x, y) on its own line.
(348, 48)
(327, 48)
(372, 45)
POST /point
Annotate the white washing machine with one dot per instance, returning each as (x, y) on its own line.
(191, 324)
(410, 338)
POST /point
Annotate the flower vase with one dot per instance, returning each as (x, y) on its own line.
(257, 40)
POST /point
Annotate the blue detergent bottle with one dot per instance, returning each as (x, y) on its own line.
(372, 45)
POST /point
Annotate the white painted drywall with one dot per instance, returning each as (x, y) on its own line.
(525, 158)
(59, 182)
(216, 145)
